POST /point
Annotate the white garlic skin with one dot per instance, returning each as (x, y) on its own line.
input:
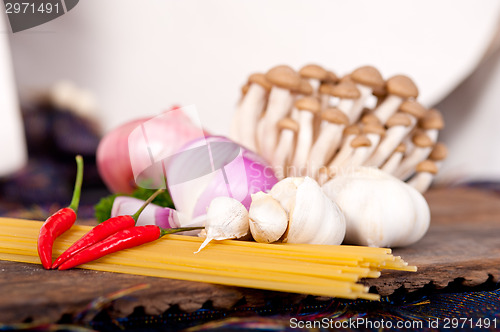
(313, 217)
(268, 219)
(380, 210)
(227, 218)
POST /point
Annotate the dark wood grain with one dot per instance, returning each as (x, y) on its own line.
(463, 242)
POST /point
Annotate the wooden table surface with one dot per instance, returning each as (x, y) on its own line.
(463, 242)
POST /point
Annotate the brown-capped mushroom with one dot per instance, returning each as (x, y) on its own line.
(360, 145)
(333, 122)
(315, 75)
(425, 172)
(423, 145)
(432, 122)
(347, 94)
(349, 134)
(399, 88)
(399, 125)
(286, 146)
(391, 165)
(284, 80)
(307, 108)
(249, 111)
(366, 78)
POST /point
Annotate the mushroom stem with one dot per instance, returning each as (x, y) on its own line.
(388, 107)
(358, 105)
(426, 170)
(423, 147)
(399, 126)
(350, 133)
(391, 165)
(333, 122)
(361, 148)
(279, 104)
(307, 108)
(284, 152)
(248, 114)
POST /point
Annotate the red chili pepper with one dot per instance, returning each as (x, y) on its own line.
(124, 239)
(60, 221)
(103, 230)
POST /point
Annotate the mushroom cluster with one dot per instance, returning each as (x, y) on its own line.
(313, 123)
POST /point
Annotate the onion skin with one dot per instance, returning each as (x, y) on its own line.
(113, 158)
(246, 174)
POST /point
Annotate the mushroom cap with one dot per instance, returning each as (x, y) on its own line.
(244, 88)
(346, 78)
(439, 152)
(331, 77)
(427, 166)
(284, 77)
(261, 80)
(369, 118)
(433, 119)
(288, 123)
(334, 115)
(310, 104)
(313, 71)
(398, 119)
(422, 140)
(402, 86)
(346, 90)
(368, 75)
(380, 93)
(305, 88)
(413, 108)
(374, 128)
(351, 130)
(400, 148)
(360, 140)
(326, 89)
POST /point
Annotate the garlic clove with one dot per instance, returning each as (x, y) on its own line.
(268, 219)
(284, 191)
(227, 218)
(314, 218)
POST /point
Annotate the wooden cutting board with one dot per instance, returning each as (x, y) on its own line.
(463, 242)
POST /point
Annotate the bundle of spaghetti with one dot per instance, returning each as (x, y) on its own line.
(322, 270)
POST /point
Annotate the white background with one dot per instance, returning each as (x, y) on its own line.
(140, 57)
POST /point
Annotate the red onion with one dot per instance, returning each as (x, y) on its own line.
(166, 133)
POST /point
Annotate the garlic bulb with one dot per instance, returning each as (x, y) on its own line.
(227, 218)
(313, 217)
(268, 220)
(380, 210)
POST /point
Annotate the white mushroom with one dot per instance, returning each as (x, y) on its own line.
(366, 79)
(425, 172)
(399, 88)
(399, 125)
(391, 165)
(284, 152)
(350, 133)
(374, 132)
(423, 147)
(347, 93)
(360, 147)
(315, 75)
(432, 123)
(307, 107)
(249, 111)
(329, 139)
(284, 80)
